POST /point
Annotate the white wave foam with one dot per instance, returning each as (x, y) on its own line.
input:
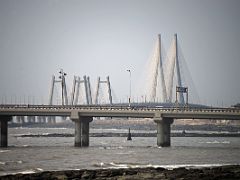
(2, 163)
(114, 165)
(101, 164)
(27, 172)
(218, 142)
(31, 171)
(12, 162)
(127, 165)
(119, 165)
(190, 166)
(213, 142)
(226, 142)
(39, 169)
(44, 134)
(3, 151)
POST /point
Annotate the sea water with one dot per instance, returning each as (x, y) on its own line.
(36, 154)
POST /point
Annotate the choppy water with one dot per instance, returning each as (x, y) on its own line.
(34, 154)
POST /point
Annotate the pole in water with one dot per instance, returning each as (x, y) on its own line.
(129, 138)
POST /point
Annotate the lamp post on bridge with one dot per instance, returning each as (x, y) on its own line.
(129, 99)
(129, 138)
(62, 77)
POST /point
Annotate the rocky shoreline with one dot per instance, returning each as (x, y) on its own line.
(211, 173)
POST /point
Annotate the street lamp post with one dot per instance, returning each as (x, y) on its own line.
(129, 138)
(62, 77)
(129, 99)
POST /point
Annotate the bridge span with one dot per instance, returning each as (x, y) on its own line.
(83, 115)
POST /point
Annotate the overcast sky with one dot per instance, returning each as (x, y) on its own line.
(106, 37)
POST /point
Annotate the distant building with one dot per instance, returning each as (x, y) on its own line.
(236, 105)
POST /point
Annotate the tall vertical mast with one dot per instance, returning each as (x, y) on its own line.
(86, 89)
(162, 80)
(73, 90)
(51, 91)
(89, 90)
(97, 91)
(155, 72)
(78, 80)
(109, 90)
(179, 79)
(65, 91)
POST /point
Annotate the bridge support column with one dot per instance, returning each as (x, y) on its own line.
(163, 131)
(78, 133)
(85, 131)
(22, 119)
(51, 119)
(81, 129)
(4, 130)
(31, 119)
(18, 119)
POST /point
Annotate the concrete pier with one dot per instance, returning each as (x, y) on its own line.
(31, 119)
(18, 119)
(41, 119)
(81, 129)
(78, 133)
(85, 130)
(4, 130)
(51, 119)
(163, 131)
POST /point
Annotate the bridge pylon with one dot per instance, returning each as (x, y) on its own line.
(76, 90)
(63, 87)
(109, 91)
(64, 98)
(162, 75)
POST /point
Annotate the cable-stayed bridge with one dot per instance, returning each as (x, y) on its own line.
(84, 104)
(164, 74)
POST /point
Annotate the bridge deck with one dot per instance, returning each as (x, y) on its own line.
(121, 111)
(82, 116)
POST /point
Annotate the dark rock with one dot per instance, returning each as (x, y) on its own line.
(214, 173)
(88, 174)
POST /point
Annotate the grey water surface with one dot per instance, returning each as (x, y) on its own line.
(36, 154)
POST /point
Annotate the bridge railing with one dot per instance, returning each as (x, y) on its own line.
(118, 107)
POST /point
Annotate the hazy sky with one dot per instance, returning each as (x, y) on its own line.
(106, 37)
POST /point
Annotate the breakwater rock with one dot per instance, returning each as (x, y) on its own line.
(222, 172)
(110, 134)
